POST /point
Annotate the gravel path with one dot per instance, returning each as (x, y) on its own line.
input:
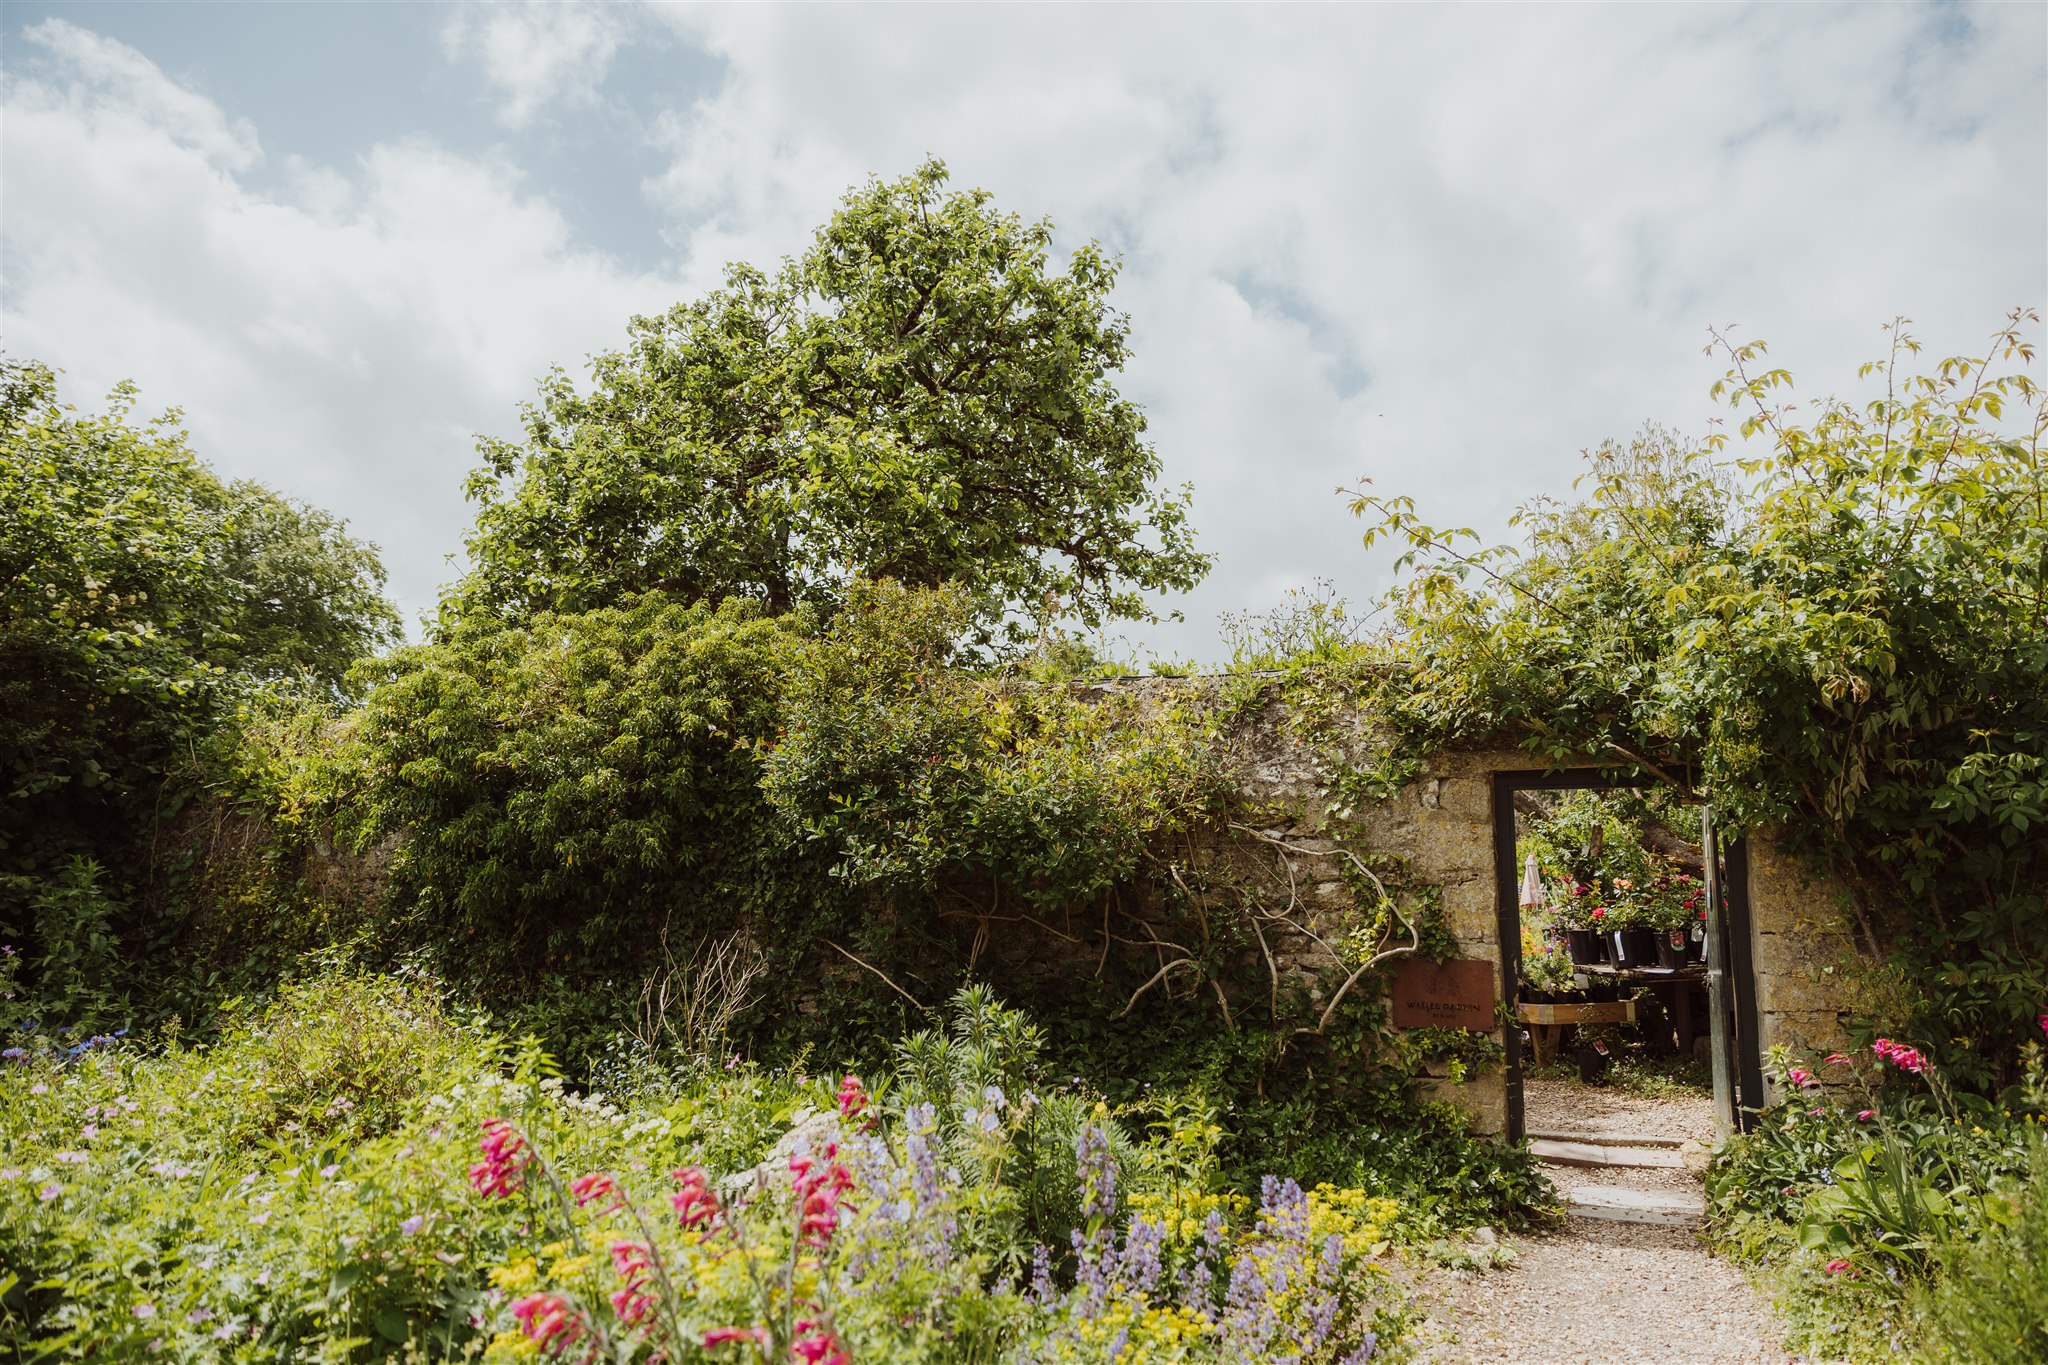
(1602, 1293)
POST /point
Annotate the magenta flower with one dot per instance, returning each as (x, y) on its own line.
(1835, 1059)
(696, 1203)
(720, 1336)
(1900, 1056)
(817, 1344)
(506, 1157)
(598, 1188)
(1801, 1077)
(550, 1320)
(818, 1186)
(635, 1266)
(1865, 1115)
(1836, 1266)
(853, 1099)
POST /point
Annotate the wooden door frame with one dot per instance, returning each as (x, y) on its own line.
(1507, 876)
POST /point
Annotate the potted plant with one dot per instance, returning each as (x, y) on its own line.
(1631, 926)
(1671, 908)
(1580, 919)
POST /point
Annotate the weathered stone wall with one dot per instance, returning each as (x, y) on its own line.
(1802, 950)
(1440, 826)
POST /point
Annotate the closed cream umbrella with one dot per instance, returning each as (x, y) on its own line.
(1532, 885)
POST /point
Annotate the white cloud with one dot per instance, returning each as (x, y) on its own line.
(536, 55)
(1446, 247)
(340, 340)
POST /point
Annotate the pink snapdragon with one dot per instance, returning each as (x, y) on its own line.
(1899, 1055)
(853, 1098)
(1836, 1266)
(1835, 1059)
(552, 1322)
(696, 1203)
(817, 1344)
(635, 1265)
(1801, 1077)
(723, 1336)
(818, 1186)
(506, 1157)
(597, 1188)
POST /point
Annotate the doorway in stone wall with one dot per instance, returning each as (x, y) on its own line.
(1625, 954)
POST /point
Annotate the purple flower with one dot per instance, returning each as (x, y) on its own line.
(1041, 1274)
(329, 1172)
(1098, 1172)
(1139, 1267)
(1366, 1350)
(49, 1191)
(144, 1310)
(411, 1226)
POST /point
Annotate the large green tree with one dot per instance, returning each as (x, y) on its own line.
(142, 600)
(920, 396)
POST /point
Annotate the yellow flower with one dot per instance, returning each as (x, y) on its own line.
(515, 1276)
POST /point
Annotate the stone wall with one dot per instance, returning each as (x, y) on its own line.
(1439, 825)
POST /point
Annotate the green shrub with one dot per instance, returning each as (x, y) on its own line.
(1988, 1301)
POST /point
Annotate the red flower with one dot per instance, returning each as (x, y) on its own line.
(817, 1344)
(1900, 1056)
(635, 1265)
(818, 1188)
(551, 1321)
(695, 1201)
(1837, 1266)
(853, 1100)
(1599, 912)
(720, 1336)
(506, 1157)
(596, 1186)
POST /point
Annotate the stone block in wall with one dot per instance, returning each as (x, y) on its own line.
(1483, 1098)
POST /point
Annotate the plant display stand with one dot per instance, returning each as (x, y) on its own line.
(1546, 1022)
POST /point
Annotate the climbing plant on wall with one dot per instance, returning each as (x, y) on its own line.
(1837, 619)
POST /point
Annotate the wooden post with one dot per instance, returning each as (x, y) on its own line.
(1720, 1015)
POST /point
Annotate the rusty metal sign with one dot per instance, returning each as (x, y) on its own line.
(1454, 994)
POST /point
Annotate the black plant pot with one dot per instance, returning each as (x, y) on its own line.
(1634, 947)
(1584, 947)
(1671, 948)
(1695, 946)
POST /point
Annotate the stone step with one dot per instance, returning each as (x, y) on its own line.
(1604, 1139)
(1585, 1153)
(1615, 1204)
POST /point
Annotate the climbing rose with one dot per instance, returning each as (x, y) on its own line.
(506, 1157)
(1599, 912)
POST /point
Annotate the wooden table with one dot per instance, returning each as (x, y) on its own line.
(1547, 1022)
(1673, 989)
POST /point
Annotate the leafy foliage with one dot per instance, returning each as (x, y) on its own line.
(142, 603)
(918, 397)
(1841, 637)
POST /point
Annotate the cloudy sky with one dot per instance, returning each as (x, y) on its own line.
(1445, 247)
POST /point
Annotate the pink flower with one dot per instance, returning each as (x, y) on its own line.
(1835, 1059)
(635, 1265)
(596, 1187)
(696, 1203)
(1899, 1055)
(2043, 1022)
(818, 1187)
(817, 1344)
(720, 1336)
(1836, 1266)
(506, 1157)
(1599, 912)
(853, 1099)
(550, 1320)
(1865, 1115)
(1801, 1077)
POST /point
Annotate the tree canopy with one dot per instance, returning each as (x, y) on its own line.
(1842, 635)
(919, 396)
(141, 599)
